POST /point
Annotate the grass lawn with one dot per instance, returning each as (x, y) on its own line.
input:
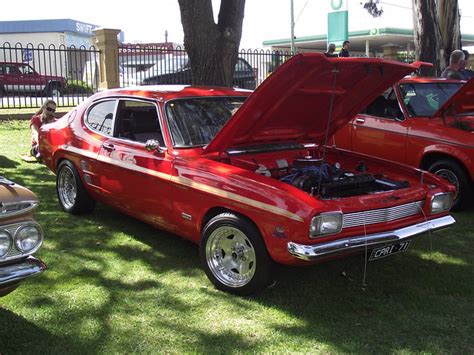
(115, 284)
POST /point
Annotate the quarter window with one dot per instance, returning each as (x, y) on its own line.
(101, 116)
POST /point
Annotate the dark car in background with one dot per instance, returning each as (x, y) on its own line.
(20, 236)
(176, 70)
(22, 78)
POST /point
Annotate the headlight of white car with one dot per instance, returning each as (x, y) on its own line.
(28, 238)
(325, 224)
(5, 243)
(441, 202)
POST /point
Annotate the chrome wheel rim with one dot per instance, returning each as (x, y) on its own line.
(231, 256)
(451, 177)
(67, 187)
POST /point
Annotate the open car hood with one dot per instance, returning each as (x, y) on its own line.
(307, 99)
(461, 102)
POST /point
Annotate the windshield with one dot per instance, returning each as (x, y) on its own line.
(195, 121)
(424, 99)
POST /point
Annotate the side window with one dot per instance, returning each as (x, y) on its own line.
(12, 70)
(138, 121)
(101, 116)
(385, 107)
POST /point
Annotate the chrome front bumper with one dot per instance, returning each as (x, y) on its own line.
(17, 271)
(354, 244)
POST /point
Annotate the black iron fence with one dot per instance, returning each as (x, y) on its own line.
(31, 74)
(150, 65)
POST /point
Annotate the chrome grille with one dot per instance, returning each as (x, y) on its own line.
(382, 215)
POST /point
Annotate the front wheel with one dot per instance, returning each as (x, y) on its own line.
(73, 197)
(451, 171)
(234, 256)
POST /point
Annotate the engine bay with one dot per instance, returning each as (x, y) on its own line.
(326, 178)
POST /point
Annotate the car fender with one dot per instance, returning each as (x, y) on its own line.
(449, 151)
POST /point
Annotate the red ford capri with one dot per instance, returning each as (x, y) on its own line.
(248, 175)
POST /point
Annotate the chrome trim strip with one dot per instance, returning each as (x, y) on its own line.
(16, 272)
(353, 244)
(186, 216)
(3, 212)
(383, 215)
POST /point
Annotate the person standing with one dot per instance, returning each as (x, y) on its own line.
(456, 62)
(44, 115)
(466, 73)
(331, 52)
(345, 49)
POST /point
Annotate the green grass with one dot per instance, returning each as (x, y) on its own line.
(115, 284)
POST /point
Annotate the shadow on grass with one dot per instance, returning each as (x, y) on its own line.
(416, 302)
(7, 163)
(15, 332)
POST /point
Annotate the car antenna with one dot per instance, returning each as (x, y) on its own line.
(335, 71)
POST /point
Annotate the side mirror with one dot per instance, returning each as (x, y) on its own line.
(152, 145)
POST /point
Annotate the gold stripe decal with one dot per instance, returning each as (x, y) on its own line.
(188, 182)
(231, 196)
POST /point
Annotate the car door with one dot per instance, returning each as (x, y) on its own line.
(137, 178)
(30, 79)
(381, 130)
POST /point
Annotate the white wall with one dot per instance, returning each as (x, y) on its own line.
(52, 62)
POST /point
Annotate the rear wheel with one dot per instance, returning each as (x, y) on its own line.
(234, 256)
(73, 197)
(455, 174)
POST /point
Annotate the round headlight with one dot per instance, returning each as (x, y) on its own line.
(5, 243)
(27, 238)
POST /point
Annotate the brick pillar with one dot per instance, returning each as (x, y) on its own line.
(390, 51)
(107, 43)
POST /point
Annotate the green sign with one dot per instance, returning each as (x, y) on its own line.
(338, 23)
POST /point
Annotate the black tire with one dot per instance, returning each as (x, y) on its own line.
(455, 174)
(72, 196)
(229, 245)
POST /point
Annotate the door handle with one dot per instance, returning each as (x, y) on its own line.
(360, 120)
(108, 147)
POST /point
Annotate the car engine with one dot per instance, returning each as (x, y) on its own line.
(332, 181)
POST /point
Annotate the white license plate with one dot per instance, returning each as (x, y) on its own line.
(388, 250)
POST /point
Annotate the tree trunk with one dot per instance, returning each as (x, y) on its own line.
(427, 36)
(448, 14)
(212, 48)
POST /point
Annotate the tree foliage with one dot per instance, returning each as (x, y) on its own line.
(372, 7)
(212, 47)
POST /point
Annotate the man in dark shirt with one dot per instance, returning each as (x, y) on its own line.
(345, 49)
(456, 62)
(466, 73)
